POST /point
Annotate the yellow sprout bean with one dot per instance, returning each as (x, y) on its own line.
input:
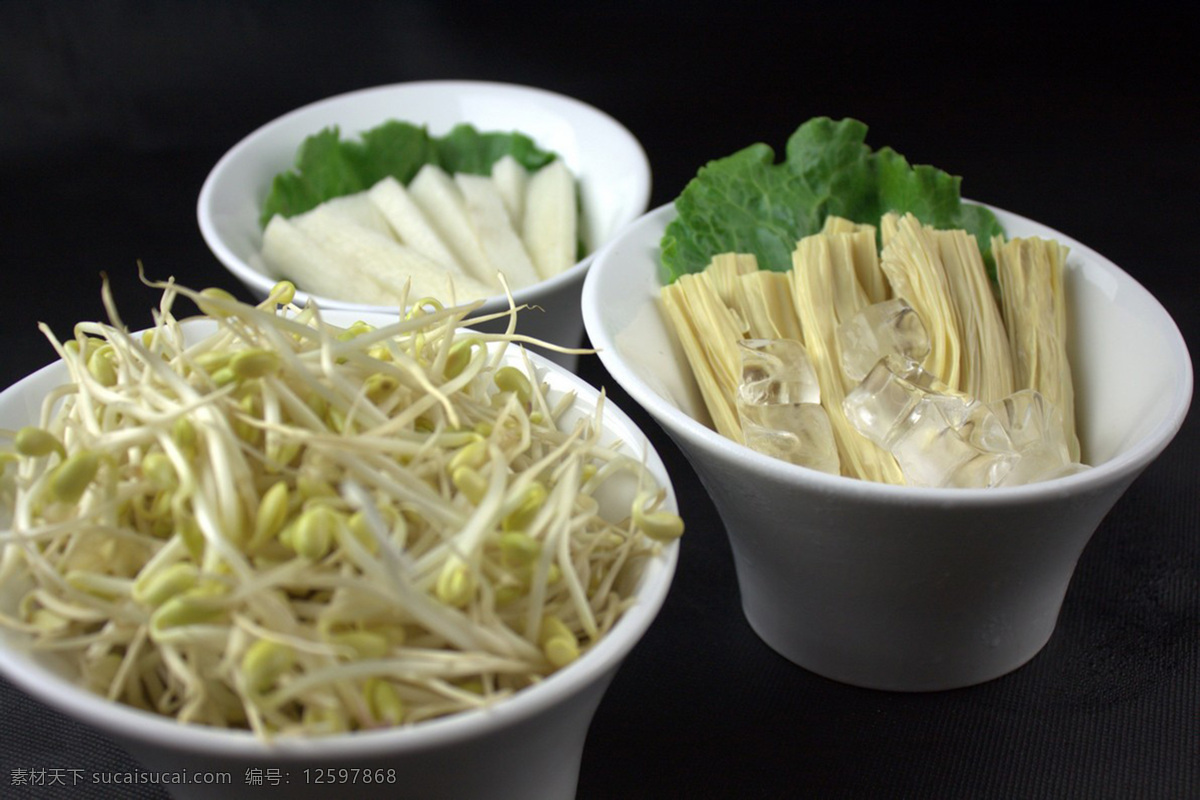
(255, 363)
(324, 720)
(560, 651)
(315, 531)
(264, 662)
(213, 360)
(383, 701)
(509, 593)
(310, 485)
(356, 329)
(158, 469)
(553, 628)
(251, 406)
(473, 455)
(662, 526)
(282, 293)
(214, 309)
(108, 587)
(380, 352)
(224, 376)
(360, 529)
(157, 588)
(183, 433)
(459, 356)
(47, 621)
(271, 514)
(378, 387)
(102, 367)
(470, 483)
(455, 584)
(33, 441)
(188, 530)
(511, 379)
(558, 642)
(70, 479)
(522, 516)
(424, 306)
(519, 549)
(362, 644)
(193, 607)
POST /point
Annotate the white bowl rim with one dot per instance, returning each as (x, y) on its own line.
(1124, 466)
(528, 294)
(133, 724)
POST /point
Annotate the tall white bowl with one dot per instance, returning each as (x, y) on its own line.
(527, 746)
(895, 587)
(608, 162)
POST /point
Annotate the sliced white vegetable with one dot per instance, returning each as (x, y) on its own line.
(501, 243)
(359, 209)
(409, 224)
(438, 196)
(290, 253)
(511, 179)
(386, 262)
(549, 224)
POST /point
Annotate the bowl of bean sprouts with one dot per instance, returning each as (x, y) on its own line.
(327, 548)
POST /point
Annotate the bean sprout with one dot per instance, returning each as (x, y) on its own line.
(303, 529)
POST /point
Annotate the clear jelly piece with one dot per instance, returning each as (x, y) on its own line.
(799, 433)
(882, 403)
(936, 448)
(878, 330)
(777, 371)
(779, 407)
(938, 436)
(1036, 429)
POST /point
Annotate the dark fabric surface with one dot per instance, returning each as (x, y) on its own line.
(112, 113)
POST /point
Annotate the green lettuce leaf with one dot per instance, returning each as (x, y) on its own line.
(328, 166)
(748, 203)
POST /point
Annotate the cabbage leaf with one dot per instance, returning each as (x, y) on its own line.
(749, 203)
(328, 166)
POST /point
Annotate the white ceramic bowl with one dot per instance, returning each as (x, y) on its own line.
(896, 587)
(608, 162)
(527, 746)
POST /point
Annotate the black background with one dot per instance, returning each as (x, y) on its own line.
(112, 113)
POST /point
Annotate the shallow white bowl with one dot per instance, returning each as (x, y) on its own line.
(527, 746)
(608, 162)
(897, 587)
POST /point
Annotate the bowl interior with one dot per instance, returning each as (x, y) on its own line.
(51, 679)
(1132, 372)
(609, 163)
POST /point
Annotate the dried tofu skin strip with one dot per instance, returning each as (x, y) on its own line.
(725, 271)
(987, 372)
(759, 299)
(765, 301)
(1035, 312)
(866, 260)
(913, 264)
(826, 292)
(723, 275)
(708, 332)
